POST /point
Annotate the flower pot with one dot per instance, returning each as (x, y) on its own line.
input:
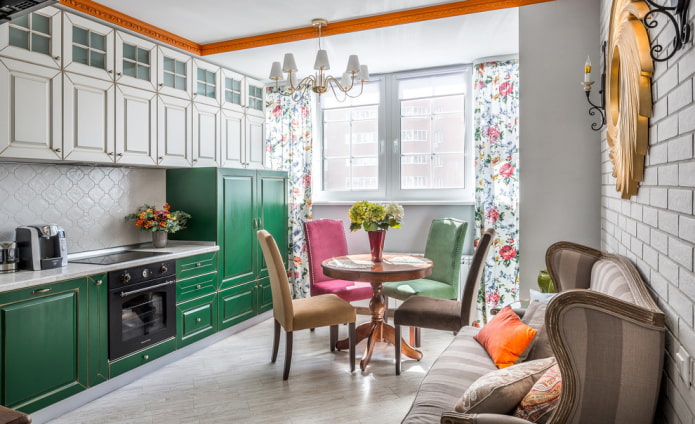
(160, 238)
(376, 244)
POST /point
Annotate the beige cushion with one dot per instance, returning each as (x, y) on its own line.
(499, 392)
(534, 317)
(320, 311)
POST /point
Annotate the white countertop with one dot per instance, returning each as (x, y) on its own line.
(22, 279)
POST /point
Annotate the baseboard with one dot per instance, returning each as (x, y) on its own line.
(73, 402)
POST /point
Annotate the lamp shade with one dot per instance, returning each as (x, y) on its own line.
(321, 62)
(288, 64)
(363, 75)
(346, 80)
(276, 71)
(353, 65)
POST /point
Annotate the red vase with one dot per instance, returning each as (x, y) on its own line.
(376, 244)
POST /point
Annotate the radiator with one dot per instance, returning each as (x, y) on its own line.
(463, 273)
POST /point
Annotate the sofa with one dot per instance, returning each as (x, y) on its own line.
(607, 335)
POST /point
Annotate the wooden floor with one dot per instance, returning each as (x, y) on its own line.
(233, 381)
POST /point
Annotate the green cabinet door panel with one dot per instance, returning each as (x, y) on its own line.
(196, 265)
(196, 319)
(272, 193)
(237, 304)
(265, 297)
(195, 191)
(44, 344)
(98, 364)
(239, 229)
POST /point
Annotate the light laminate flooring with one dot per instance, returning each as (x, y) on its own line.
(233, 381)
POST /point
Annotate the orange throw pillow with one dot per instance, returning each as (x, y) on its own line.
(505, 337)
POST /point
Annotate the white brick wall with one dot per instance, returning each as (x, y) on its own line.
(656, 228)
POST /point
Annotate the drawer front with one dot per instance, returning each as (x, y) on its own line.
(196, 320)
(196, 265)
(195, 287)
(237, 304)
(141, 357)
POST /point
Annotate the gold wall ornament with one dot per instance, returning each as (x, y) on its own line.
(629, 99)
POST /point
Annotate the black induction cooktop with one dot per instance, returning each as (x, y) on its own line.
(115, 258)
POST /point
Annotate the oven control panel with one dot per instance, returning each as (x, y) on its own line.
(138, 274)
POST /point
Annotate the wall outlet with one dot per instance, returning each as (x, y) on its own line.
(683, 363)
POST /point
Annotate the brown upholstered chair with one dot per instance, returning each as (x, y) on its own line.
(300, 314)
(443, 314)
(10, 416)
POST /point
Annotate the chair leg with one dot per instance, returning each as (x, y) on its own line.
(353, 339)
(417, 336)
(334, 337)
(412, 336)
(386, 310)
(276, 342)
(397, 347)
(288, 355)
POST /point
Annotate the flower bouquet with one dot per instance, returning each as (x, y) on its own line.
(375, 219)
(159, 222)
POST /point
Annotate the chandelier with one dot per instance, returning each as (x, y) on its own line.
(320, 82)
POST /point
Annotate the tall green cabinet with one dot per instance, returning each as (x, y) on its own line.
(228, 206)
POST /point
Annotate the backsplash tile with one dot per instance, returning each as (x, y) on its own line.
(89, 202)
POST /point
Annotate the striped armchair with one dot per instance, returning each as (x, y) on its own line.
(608, 336)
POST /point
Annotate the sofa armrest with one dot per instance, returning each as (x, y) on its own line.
(459, 418)
(10, 416)
(610, 354)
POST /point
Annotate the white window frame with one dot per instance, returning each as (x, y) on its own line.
(389, 150)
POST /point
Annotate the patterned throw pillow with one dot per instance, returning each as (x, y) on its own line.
(505, 337)
(499, 392)
(540, 402)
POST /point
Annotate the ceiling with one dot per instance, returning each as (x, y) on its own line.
(439, 42)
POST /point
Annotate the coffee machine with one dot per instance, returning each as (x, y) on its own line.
(41, 247)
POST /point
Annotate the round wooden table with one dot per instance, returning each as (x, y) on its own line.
(395, 267)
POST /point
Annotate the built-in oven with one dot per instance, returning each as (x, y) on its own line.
(142, 307)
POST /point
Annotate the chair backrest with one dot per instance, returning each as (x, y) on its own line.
(445, 247)
(279, 285)
(475, 272)
(325, 238)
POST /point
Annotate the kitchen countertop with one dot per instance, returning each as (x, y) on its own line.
(176, 249)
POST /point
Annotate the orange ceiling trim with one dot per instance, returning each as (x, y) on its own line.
(113, 16)
(371, 22)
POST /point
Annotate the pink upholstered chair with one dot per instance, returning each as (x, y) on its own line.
(325, 238)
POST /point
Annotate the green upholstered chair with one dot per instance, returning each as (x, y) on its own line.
(445, 247)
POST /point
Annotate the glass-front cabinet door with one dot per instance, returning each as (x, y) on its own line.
(254, 97)
(34, 38)
(136, 62)
(206, 83)
(174, 73)
(233, 90)
(87, 47)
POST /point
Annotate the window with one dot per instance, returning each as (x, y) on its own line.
(88, 47)
(31, 32)
(404, 139)
(232, 90)
(255, 97)
(136, 62)
(206, 83)
(174, 73)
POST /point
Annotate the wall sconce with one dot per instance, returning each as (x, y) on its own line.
(679, 20)
(600, 108)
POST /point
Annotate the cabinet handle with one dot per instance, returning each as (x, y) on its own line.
(195, 160)
(37, 291)
(198, 264)
(199, 286)
(99, 282)
(146, 357)
(56, 58)
(120, 74)
(120, 154)
(161, 158)
(109, 153)
(161, 84)
(198, 319)
(57, 150)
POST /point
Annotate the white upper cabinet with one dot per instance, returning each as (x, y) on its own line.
(88, 119)
(206, 83)
(34, 37)
(255, 141)
(136, 126)
(30, 110)
(233, 90)
(174, 71)
(87, 47)
(206, 135)
(174, 131)
(255, 98)
(233, 141)
(136, 62)
(243, 121)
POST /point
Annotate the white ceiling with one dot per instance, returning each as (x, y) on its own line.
(447, 41)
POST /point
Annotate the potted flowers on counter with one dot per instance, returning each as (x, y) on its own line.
(375, 219)
(159, 222)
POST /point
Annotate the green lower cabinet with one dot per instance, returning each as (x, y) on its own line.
(98, 327)
(237, 304)
(196, 319)
(141, 357)
(44, 344)
(265, 296)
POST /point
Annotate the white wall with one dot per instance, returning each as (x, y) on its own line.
(560, 156)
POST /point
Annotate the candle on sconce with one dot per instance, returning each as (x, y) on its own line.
(587, 70)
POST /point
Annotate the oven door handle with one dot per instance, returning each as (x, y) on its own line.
(156, 286)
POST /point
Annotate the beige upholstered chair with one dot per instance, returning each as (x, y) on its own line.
(300, 314)
(444, 314)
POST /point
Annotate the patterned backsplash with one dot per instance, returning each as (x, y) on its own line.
(89, 202)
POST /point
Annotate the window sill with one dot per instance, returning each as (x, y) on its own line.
(401, 202)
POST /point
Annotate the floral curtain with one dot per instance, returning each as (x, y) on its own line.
(288, 148)
(496, 120)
